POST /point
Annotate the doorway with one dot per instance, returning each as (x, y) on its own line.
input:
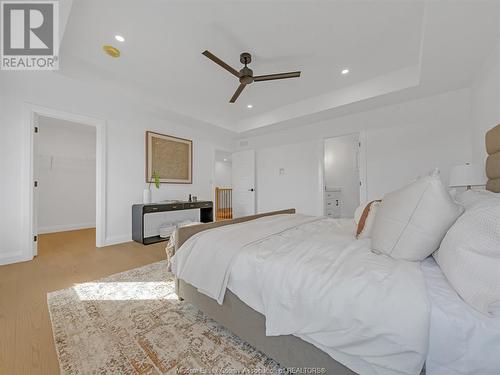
(223, 191)
(342, 182)
(40, 120)
(65, 176)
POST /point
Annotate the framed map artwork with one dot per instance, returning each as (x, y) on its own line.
(171, 158)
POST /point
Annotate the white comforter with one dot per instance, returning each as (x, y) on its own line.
(311, 278)
(204, 260)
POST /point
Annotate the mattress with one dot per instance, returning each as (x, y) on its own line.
(461, 340)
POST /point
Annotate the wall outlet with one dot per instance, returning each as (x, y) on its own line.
(282, 171)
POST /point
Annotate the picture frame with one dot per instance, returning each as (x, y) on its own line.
(170, 157)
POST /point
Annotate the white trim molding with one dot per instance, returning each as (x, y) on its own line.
(14, 257)
(363, 187)
(33, 111)
(115, 240)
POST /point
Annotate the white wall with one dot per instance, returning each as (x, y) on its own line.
(4, 162)
(66, 174)
(341, 170)
(298, 186)
(127, 118)
(402, 141)
(485, 95)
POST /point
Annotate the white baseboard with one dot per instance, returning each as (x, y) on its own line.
(115, 240)
(65, 227)
(14, 257)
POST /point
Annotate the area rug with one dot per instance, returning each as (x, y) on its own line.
(133, 323)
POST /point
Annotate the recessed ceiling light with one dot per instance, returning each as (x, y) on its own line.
(225, 159)
(345, 71)
(249, 106)
(119, 38)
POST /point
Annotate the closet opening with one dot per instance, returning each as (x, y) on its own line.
(342, 170)
(64, 181)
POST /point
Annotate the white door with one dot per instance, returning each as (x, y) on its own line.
(243, 174)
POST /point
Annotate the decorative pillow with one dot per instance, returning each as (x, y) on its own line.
(412, 221)
(364, 218)
(470, 198)
(358, 212)
(469, 256)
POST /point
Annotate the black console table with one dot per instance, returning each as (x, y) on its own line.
(139, 210)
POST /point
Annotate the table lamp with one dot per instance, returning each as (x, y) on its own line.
(467, 175)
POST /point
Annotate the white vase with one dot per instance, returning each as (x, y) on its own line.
(146, 196)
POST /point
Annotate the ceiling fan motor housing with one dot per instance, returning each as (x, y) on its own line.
(246, 75)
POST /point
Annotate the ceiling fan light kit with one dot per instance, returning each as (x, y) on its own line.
(245, 75)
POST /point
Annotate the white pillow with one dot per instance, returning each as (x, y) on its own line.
(470, 198)
(366, 230)
(412, 221)
(469, 256)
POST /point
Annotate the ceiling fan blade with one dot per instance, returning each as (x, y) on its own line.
(269, 77)
(218, 61)
(237, 92)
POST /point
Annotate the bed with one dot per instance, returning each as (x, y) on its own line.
(385, 335)
(400, 347)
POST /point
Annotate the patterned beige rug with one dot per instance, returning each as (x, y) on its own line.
(132, 323)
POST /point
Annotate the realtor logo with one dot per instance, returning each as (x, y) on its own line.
(30, 35)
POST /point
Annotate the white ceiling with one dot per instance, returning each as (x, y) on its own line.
(389, 46)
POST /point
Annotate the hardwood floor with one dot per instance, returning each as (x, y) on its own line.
(26, 343)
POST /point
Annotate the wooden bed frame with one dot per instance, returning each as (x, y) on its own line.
(289, 351)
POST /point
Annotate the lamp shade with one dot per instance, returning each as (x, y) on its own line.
(467, 175)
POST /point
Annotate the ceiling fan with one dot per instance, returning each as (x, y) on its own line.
(245, 75)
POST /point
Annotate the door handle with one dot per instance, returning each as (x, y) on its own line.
(252, 189)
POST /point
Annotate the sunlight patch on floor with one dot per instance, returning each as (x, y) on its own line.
(125, 291)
